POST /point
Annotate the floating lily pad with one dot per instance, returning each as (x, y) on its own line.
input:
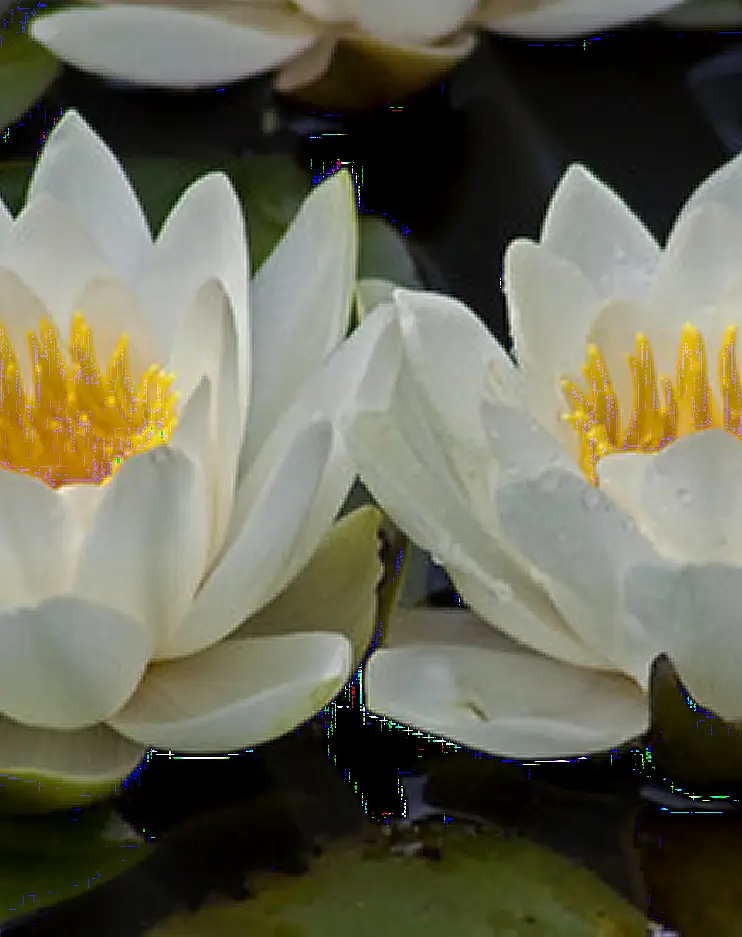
(448, 881)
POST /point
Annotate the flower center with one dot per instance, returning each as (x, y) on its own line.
(659, 415)
(80, 425)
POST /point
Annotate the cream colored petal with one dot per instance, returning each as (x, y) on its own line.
(412, 21)
(692, 612)
(68, 663)
(170, 48)
(203, 239)
(95, 754)
(244, 577)
(551, 306)
(721, 187)
(329, 11)
(146, 551)
(582, 545)
(335, 592)
(79, 170)
(38, 541)
(505, 702)
(588, 224)
(301, 300)
(556, 19)
(307, 67)
(237, 694)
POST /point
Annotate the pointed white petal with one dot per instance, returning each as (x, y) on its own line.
(68, 663)
(588, 224)
(237, 694)
(506, 702)
(301, 303)
(555, 19)
(79, 170)
(721, 187)
(146, 551)
(170, 48)
(414, 20)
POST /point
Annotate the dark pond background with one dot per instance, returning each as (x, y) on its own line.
(460, 170)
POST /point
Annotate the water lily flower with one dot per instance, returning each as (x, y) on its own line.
(586, 498)
(172, 576)
(193, 43)
(704, 14)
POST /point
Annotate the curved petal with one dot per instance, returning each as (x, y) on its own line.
(588, 224)
(170, 48)
(301, 300)
(307, 67)
(68, 663)
(551, 306)
(146, 551)
(692, 612)
(555, 19)
(506, 702)
(237, 694)
(721, 187)
(414, 20)
(244, 578)
(38, 541)
(335, 592)
(582, 545)
(203, 239)
(96, 754)
(80, 171)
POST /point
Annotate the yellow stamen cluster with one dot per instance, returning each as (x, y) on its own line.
(79, 425)
(660, 413)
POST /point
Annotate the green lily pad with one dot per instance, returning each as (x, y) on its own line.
(447, 881)
(26, 71)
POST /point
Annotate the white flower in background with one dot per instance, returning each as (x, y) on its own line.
(587, 502)
(171, 576)
(192, 43)
(705, 14)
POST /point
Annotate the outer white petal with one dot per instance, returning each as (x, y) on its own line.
(554, 19)
(146, 551)
(686, 497)
(693, 613)
(245, 576)
(202, 239)
(413, 20)
(68, 663)
(722, 187)
(38, 541)
(583, 546)
(590, 225)
(552, 306)
(79, 170)
(464, 687)
(237, 694)
(308, 67)
(170, 48)
(301, 301)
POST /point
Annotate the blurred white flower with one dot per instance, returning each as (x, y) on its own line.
(587, 501)
(171, 576)
(194, 43)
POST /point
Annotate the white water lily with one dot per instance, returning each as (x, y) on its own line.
(192, 43)
(586, 501)
(171, 575)
(705, 14)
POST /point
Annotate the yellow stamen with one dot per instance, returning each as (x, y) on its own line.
(80, 425)
(659, 414)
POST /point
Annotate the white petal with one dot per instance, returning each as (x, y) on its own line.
(202, 239)
(308, 66)
(590, 225)
(68, 663)
(21, 312)
(38, 541)
(335, 592)
(170, 48)
(555, 19)
(301, 302)
(95, 754)
(237, 694)
(693, 614)
(329, 11)
(583, 545)
(551, 306)
(509, 703)
(721, 187)
(6, 223)
(413, 20)
(245, 576)
(372, 292)
(146, 551)
(79, 170)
